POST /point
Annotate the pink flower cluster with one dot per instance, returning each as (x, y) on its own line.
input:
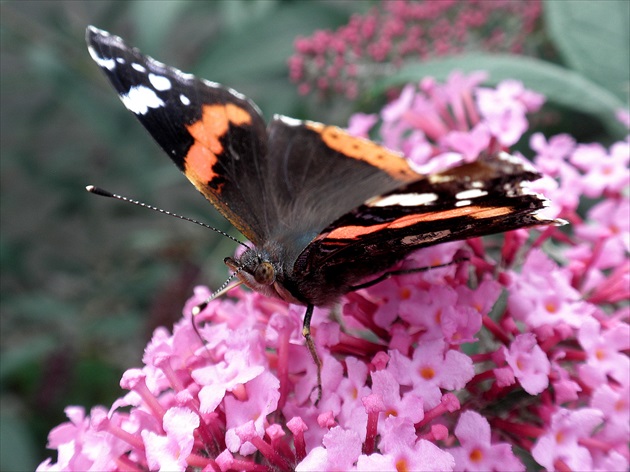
(440, 125)
(456, 368)
(371, 46)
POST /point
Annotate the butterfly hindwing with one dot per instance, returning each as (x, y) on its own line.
(485, 197)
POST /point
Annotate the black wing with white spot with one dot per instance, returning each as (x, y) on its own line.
(215, 135)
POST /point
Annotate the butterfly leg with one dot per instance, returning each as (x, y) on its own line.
(306, 332)
(392, 273)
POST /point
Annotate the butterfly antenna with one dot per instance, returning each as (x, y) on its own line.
(105, 193)
(225, 287)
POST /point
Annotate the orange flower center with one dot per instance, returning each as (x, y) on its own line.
(551, 307)
(476, 455)
(427, 373)
(401, 465)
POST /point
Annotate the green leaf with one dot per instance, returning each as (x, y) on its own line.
(594, 39)
(560, 86)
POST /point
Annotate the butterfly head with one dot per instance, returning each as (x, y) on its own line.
(257, 269)
(255, 265)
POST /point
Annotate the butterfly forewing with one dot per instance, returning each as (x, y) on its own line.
(213, 134)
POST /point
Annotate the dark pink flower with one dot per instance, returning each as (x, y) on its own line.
(399, 405)
(399, 441)
(542, 295)
(504, 110)
(551, 155)
(477, 452)
(377, 43)
(604, 171)
(614, 403)
(529, 363)
(340, 451)
(605, 353)
(80, 447)
(561, 442)
(469, 144)
(170, 451)
(608, 226)
(259, 400)
(440, 125)
(360, 124)
(431, 368)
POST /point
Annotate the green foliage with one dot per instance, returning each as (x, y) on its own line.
(593, 39)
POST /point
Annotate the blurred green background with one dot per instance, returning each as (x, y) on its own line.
(85, 280)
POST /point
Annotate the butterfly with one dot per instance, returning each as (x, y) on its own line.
(324, 211)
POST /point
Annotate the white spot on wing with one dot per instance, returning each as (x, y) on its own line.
(140, 99)
(138, 67)
(462, 203)
(120, 60)
(184, 99)
(403, 199)
(108, 64)
(210, 83)
(516, 160)
(174, 73)
(182, 76)
(160, 82)
(440, 179)
(288, 121)
(472, 193)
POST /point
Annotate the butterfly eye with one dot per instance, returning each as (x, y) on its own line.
(265, 273)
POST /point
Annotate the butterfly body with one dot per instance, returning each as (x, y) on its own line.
(324, 210)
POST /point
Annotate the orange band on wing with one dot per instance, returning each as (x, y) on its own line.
(214, 123)
(477, 212)
(492, 212)
(473, 211)
(199, 163)
(207, 132)
(237, 115)
(362, 149)
(351, 232)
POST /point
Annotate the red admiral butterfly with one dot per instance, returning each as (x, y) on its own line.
(324, 210)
